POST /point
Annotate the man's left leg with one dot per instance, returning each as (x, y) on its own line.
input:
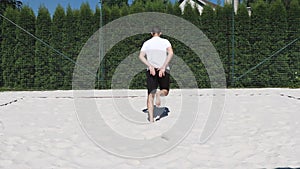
(163, 92)
(164, 85)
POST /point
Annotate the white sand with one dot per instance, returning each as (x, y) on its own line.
(259, 129)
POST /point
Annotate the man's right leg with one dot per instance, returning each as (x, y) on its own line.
(150, 106)
(152, 85)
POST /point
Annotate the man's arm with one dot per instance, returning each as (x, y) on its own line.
(169, 57)
(145, 61)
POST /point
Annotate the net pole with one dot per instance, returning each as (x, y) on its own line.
(101, 71)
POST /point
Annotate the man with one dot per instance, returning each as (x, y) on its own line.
(156, 53)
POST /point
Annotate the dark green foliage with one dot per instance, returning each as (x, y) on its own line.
(242, 45)
(84, 23)
(42, 54)
(57, 63)
(193, 62)
(120, 52)
(137, 7)
(5, 4)
(25, 50)
(151, 1)
(115, 13)
(8, 47)
(192, 14)
(260, 42)
(70, 45)
(124, 10)
(176, 10)
(155, 6)
(170, 8)
(278, 27)
(293, 21)
(106, 14)
(9, 4)
(223, 38)
(208, 23)
(118, 3)
(96, 19)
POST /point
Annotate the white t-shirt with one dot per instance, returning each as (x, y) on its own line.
(156, 51)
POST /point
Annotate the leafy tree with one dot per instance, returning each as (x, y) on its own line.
(78, 43)
(96, 19)
(251, 2)
(277, 24)
(260, 42)
(25, 47)
(70, 44)
(118, 3)
(9, 3)
(242, 47)
(197, 16)
(192, 14)
(42, 54)
(124, 10)
(293, 20)
(85, 22)
(106, 14)
(176, 9)
(8, 47)
(145, 1)
(209, 28)
(278, 27)
(115, 13)
(57, 62)
(208, 23)
(169, 8)
(223, 42)
(188, 13)
(155, 6)
(137, 6)
(4, 4)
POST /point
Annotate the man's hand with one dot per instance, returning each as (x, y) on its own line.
(162, 71)
(152, 70)
(144, 60)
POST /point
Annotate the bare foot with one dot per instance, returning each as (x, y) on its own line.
(151, 120)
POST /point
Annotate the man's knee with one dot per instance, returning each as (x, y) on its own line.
(165, 92)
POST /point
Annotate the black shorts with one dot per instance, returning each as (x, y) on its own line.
(154, 81)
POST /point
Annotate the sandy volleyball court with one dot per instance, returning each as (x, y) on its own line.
(259, 128)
